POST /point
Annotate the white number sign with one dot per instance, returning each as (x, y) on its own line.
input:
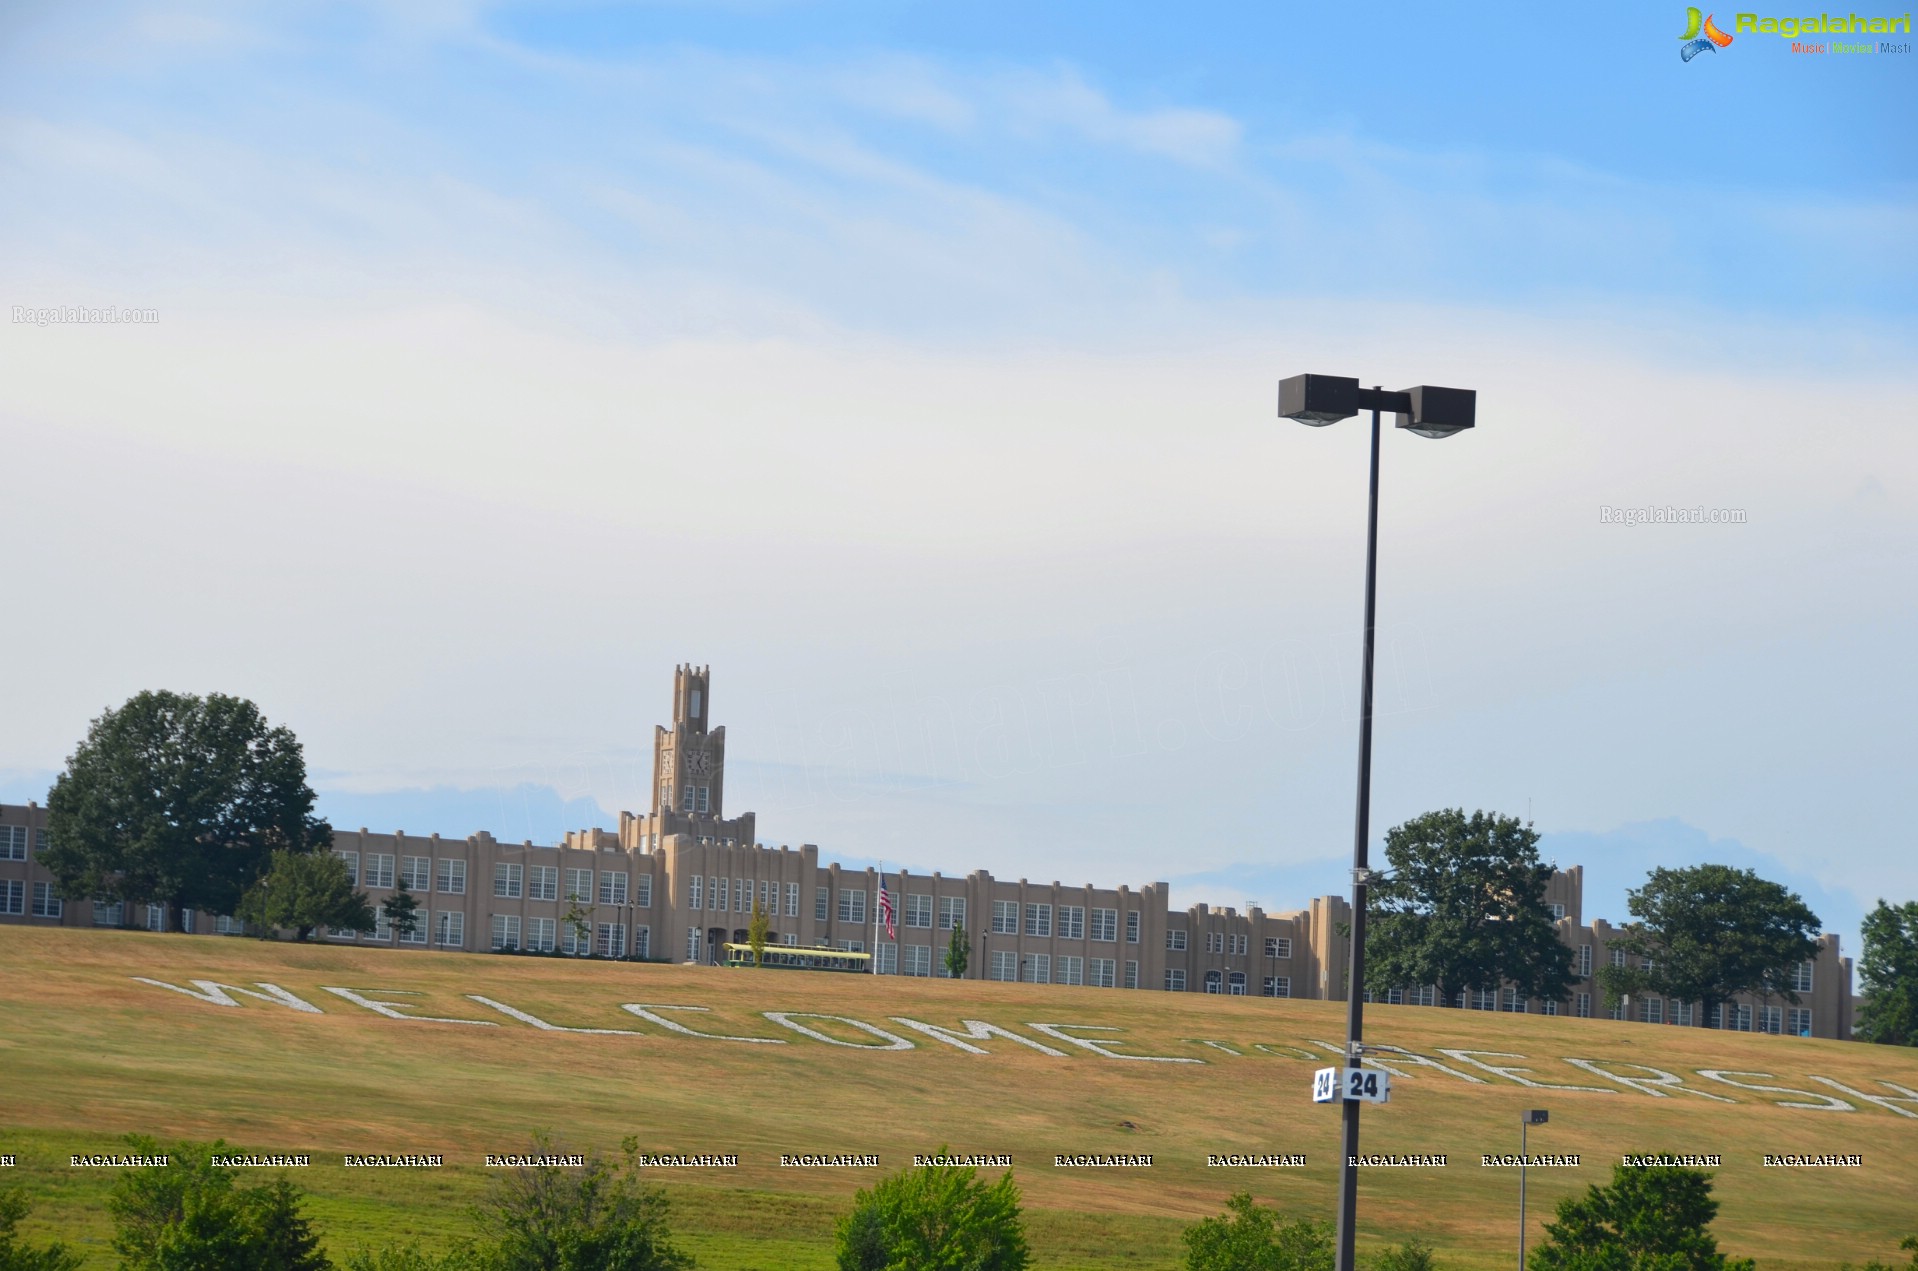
(1366, 1084)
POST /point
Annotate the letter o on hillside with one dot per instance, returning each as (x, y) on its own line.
(887, 1041)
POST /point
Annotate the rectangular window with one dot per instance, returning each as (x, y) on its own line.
(692, 946)
(1105, 925)
(576, 939)
(1514, 1002)
(722, 894)
(1005, 964)
(918, 910)
(156, 914)
(789, 937)
(792, 900)
(579, 885)
(853, 946)
(13, 896)
(1618, 958)
(1615, 1012)
(1175, 979)
(1072, 924)
(1214, 942)
(45, 903)
(352, 860)
(1005, 917)
(743, 896)
(852, 905)
(612, 940)
(686, 803)
(13, 842)
(108, 913)
(1131, 974)
(1039, 921)
(1104, 973)
(642, 941)
(1175, 939)
(643, 891)
(612, 887)
(887, 958)
(1551, 1008)
(1484, 999)
(1276, 986)
(1585, 961)
(1036, 968)
(416, 873)
(449, 928)
(1801, 1021)
(1653, 1011)
(1072, 970)
(382, 926)
(1801, 978)
(1558, 912)
(695, 891)
(379, 869)
(1278, 946)
(545, 883)
(453, 877)
(769, 898)
(505, 931)
(919, 960)
(542, 934)
(418, 934)
(1679, 1013)
(1132, 926)
(705, 800)
(509, 880)
(226, 926)
(952, 912)
(1742, 1019)
(821, 904)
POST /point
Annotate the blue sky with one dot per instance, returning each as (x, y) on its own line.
(913, 366)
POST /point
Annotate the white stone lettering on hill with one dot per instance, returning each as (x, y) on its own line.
(978, 1030)
(1403, 1055)
(889, 1041)
(542, 1025)
(645, 1010)
(1370, 1060)
(216, 994)
(1512, 1073)
(387, 1008)
(1098, 1045)
(1826, 1103)
(1645, 1085)
(1888, 1102)
(1293, 1052)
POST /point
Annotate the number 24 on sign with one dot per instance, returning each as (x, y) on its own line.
(1368, 1084)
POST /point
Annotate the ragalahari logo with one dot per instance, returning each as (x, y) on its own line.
(1701, 35)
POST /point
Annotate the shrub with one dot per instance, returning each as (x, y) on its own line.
(934, 1218)
(1250, 1237)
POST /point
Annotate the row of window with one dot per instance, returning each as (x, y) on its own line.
(13, 842)
(511, 932)
(1040, 968)
(1799, 979)
(1230, 943)
(740, 895)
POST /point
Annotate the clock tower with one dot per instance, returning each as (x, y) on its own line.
(689, 759)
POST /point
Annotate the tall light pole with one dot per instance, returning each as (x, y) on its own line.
(1535, 1116)
(1430, 412)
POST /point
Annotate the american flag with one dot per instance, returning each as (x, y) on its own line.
(885, 909)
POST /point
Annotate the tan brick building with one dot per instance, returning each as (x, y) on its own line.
(681, 879)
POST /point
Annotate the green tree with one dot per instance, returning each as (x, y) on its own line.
(1650, 1218)
(579, 919)
(179, 799)
(1463, 907)
(304, 890)
(934, 1218)
(410, 1257)
(192, 1215)
(1250, 1237)
(1413, 1255)
(756, 932)
(1889, 969)
(15, 1253)
(596, 1217)
(1909, 1242)
(958, 952)
(402, 910)
(1711, 932)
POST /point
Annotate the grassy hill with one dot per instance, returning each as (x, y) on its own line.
(89, 1053)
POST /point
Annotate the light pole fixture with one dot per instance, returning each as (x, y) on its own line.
(1319, 400)
(1532, 1117)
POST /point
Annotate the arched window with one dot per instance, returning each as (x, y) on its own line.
(1212, 981)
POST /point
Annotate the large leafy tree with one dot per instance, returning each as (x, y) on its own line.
(597, 1217)
(1462, 906)
(15, 1253)
(1889, 969)
(179, 799)
(304, 890)
(1710, 932)
(1250, 1237)
(193, 1215)
(934, 1218)
(1650, 1218)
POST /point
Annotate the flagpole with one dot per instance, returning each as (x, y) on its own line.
(875, 916)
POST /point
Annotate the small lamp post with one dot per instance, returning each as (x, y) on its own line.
(1532, 1117)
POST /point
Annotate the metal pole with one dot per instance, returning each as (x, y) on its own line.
(1523, 1126)
(1355, 979)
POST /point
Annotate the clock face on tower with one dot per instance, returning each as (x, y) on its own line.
(699, 763)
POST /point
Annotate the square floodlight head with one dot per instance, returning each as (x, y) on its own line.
(1439, 412)
(1318, 400)
(1537, 1116)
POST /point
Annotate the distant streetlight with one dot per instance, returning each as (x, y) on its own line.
(1319, 400)
(1535, 1116)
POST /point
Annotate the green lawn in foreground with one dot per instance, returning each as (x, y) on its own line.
(89, 1054)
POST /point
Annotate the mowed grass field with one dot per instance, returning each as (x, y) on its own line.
(88, 1054)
